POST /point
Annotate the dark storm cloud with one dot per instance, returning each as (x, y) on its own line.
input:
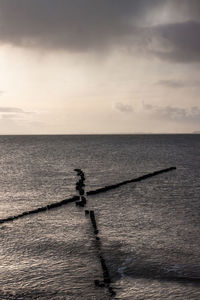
(189, 8)
(96, 25)
(178, 42)
(73, 25)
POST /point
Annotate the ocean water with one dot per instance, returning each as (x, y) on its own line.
(149, 230)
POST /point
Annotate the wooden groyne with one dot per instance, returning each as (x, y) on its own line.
(93, 221)
(80, 187)
(81, 201)
(106, 283)
(143, 177)
(40, 209)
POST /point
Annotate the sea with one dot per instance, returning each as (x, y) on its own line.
(149, 231)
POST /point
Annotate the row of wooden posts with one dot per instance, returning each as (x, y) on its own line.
(81, 201)
(80, 187)
(54, 205)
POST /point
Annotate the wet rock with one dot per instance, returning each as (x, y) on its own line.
(81, 192)
(83, 199)
(112, 293)
(99, 283)
(80, 203)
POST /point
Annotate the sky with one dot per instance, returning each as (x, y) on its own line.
(99, 66)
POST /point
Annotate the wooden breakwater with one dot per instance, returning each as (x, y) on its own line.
(143, 177)
(106, 283)
(40, 209)
(79, 186)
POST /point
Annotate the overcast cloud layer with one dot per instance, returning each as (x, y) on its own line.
(74, 25)
(88, 66)
(93, 25)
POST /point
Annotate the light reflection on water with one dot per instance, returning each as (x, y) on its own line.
(149, 230)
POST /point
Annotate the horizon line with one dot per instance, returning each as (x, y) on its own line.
(134, 133)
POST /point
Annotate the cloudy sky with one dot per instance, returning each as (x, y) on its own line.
(99, 66)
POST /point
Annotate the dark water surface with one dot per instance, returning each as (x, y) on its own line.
(150, 230)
